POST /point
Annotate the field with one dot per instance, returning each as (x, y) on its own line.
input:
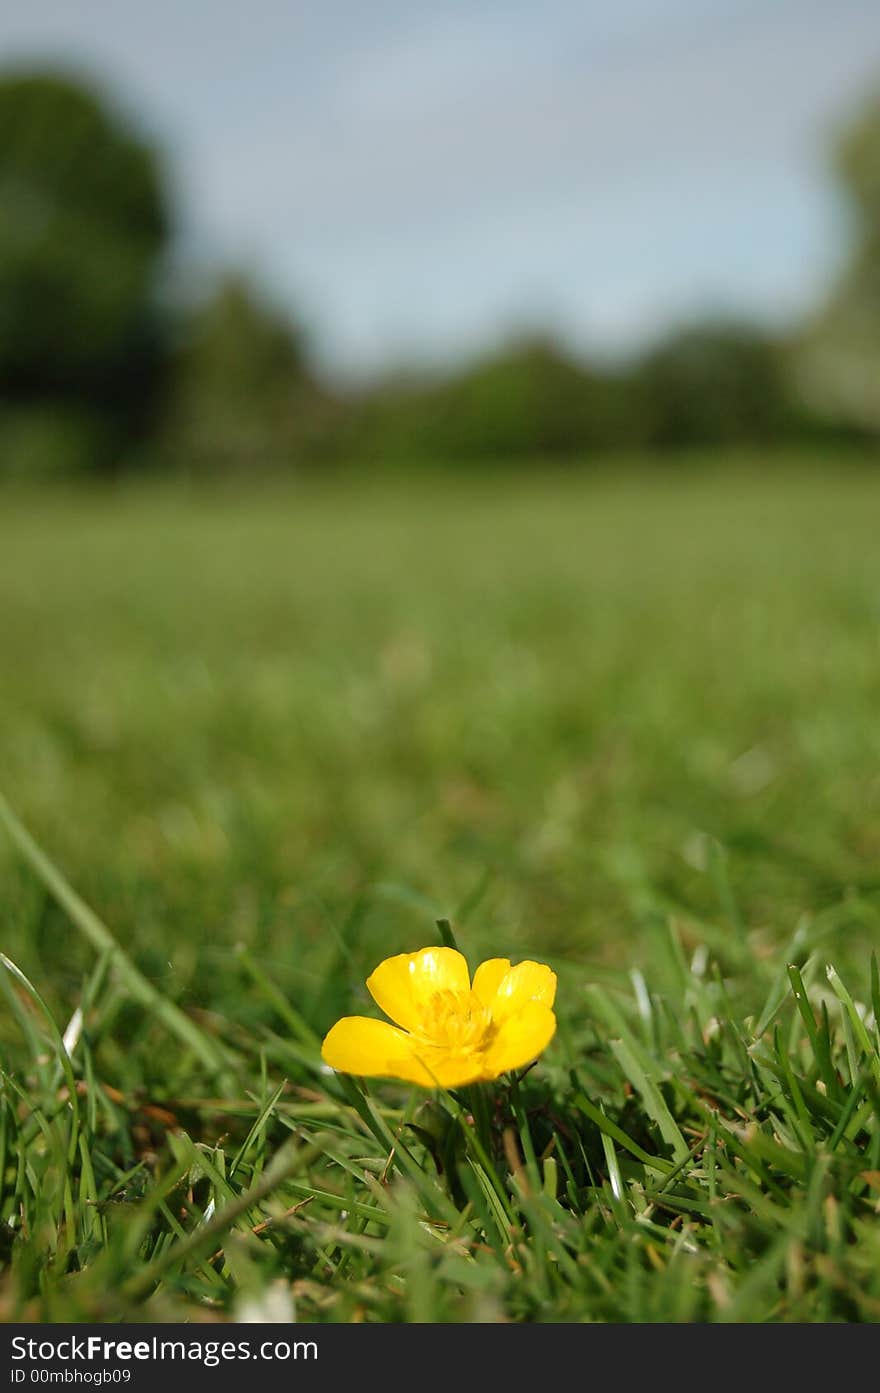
(625, 724)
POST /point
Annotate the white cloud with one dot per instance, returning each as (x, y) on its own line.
(415, 173)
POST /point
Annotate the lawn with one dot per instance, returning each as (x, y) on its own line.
(622, 723)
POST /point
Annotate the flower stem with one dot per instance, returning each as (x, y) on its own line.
(478, 1105)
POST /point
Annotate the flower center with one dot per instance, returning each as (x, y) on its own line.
(456, 1021)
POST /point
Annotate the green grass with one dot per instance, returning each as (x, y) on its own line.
(625, 726)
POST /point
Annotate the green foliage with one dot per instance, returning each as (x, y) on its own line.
(713, 383)
(527, 401)
(858, 167)
(82, 225)
(41, 442)
(271, 739)
(243, 394)
(838, 359)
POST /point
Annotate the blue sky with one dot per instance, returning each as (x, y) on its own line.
(415, 179)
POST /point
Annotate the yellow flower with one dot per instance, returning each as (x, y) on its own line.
(451, 1032)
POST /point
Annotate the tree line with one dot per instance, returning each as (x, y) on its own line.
(102, 368)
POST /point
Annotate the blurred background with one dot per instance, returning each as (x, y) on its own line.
(439, 468)
(433, 233)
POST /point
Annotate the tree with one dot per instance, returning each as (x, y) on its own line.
(838, 363)
(243, 395)
(711, 383)
(527, 400)
(83, 224)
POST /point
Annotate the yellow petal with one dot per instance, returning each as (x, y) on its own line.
(402, 985)
(448, 1069)
(526, 982)
(488, 978)
(520, 1040)
(375, 1049)
(392, 988)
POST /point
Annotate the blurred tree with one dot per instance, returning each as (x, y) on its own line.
(529, 399)
(83, 223)
(243, 394)
(858, 166)
(838, 358)
(712, 383)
